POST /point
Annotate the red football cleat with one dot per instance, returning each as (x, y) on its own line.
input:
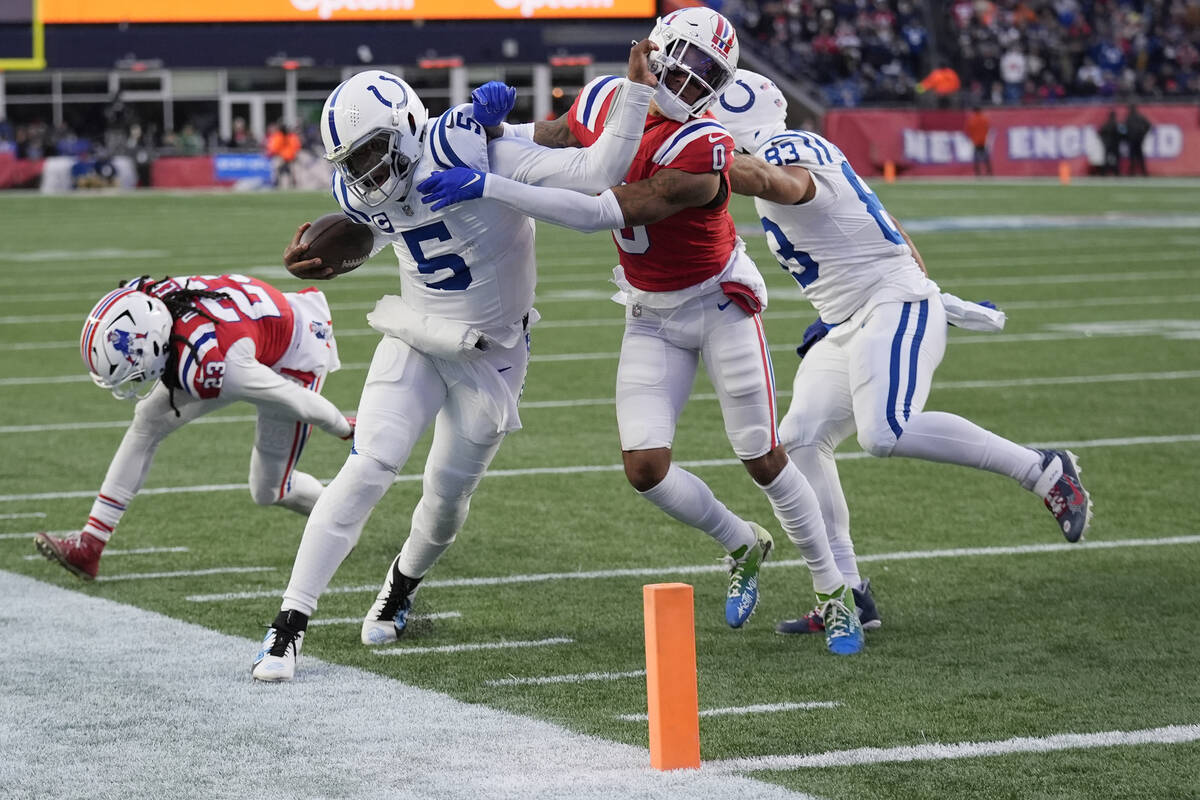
(79, 554)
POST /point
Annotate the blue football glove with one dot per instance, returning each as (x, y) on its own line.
(986, 304)
(813, 334)
(491, 103)
(451, 186)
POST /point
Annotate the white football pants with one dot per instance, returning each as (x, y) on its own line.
(274, 479)
(873, 375)
(405, 392)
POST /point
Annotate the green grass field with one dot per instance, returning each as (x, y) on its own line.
(991, 632)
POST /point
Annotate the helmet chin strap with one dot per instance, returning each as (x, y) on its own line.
(670, 105)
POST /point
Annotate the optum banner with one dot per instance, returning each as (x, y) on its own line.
(107, 11)
(1022, 141)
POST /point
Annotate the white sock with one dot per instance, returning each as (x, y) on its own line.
(816, 463)
(796, 508)
(948, 438)
(688, 499)
(435, 523)
(333, 529)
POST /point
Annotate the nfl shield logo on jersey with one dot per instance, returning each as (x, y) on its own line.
(321, 330)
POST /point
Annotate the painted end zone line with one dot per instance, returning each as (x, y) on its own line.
(579, 678)
(758, 709)
(462, 648)
(699, 569)
(1171, 734)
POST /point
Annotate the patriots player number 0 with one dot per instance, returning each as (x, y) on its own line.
(634, 240)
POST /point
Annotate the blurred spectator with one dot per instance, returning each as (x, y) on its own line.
(1003, 51)
(240, 137)
(1136, 129)
(977, 131)
(283, 145)
(1110, 134)
(944, 84)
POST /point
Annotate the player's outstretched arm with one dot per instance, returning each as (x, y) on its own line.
(665, 193)
(247, 379)
(750, 175)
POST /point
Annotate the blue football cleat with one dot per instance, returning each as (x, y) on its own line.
(1067, 500)
(744, 564)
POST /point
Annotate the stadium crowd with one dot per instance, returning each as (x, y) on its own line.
(863, 52)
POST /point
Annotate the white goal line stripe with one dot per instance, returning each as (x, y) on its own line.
(1132, 441)
(1118, 377)
(765, 708)
(1171, 734)
(462, 648)
(701, 569)
(552, 679)
(358, 620)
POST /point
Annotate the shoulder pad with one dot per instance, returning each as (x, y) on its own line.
(591, 99)
(706, 131)
(457, 140)
(802, 148)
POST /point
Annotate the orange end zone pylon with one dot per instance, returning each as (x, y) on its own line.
(671, 692)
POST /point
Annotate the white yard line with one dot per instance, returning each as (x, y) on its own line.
(546, 680)
(1131, 441)
(1060, 380)
(702, 569)
(471, 646)
(765, 708)
(189, 573)
(358, 620)
(31, 534)
(24, 515)
(137, 551)
(1171, 734)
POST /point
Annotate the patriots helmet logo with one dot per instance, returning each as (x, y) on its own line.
(723, 36)
(123, 343)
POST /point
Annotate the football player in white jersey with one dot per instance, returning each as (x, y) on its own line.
(869, 360)
(690, 293)
(456, 344)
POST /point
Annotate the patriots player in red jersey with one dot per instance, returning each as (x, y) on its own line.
(690, 293)
(196, 344)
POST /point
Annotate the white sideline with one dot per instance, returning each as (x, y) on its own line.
(700, 569)
(762, 708)
(142, 705)
(546, 680)
(1127, 441)
(1170, 734)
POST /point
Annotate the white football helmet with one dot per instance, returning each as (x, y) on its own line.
(373, 127)
(125, 341)
(752, 109)
(698, 52)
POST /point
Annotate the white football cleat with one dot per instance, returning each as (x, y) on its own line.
(388, 617)
(276, 658)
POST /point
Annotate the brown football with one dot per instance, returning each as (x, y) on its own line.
(339, 242)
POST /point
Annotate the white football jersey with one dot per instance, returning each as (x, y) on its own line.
(841, 246)
(471, 262)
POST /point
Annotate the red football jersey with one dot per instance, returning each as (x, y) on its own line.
(250, 309)
(691, 245)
